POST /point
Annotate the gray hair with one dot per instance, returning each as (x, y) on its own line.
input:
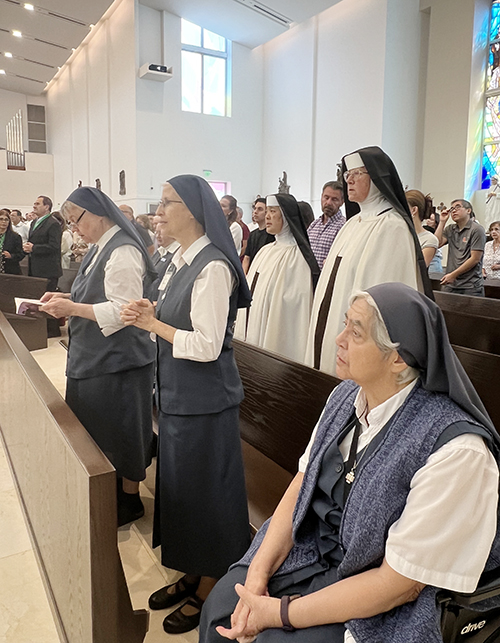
(380, 335)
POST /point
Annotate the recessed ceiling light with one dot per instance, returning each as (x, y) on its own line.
(17, 33)
(2, 71)
(29, 7)
(7, 54)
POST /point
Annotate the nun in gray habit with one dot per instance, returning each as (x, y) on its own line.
(201, 517)
(396, 495)
(110, 367)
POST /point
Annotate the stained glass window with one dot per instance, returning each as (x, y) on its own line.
(491, 126)
(205, 64)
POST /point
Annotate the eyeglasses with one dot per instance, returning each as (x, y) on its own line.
(353, 174)
(454, 208)
(164, 203)
(4, 219)
(74, 224)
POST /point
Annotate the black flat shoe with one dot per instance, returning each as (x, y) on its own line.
(178, 622)
(172, 594)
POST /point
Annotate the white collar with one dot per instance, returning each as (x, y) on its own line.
(180, 258)
(378, 417)
(172, 247)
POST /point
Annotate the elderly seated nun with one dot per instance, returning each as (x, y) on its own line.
(110, 367)
(378, 244)
(201, 516)
(396, 495)
(282, 278)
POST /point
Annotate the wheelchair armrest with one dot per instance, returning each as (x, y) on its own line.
(488, 586)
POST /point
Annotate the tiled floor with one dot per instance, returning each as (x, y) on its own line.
(25, 615)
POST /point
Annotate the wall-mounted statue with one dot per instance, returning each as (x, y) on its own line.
(123, 189)
(98, 184)
(283, 187)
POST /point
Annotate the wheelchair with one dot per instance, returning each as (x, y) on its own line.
(461, 623)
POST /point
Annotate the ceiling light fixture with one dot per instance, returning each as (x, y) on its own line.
(91, 26)
(2, 71)
(7, 54)
(17, 33)
(29, 7)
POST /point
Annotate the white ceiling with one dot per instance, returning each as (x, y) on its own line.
(48, 38)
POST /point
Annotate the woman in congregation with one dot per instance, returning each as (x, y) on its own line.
(378, 244)
(201, 517)
(421, 209)
(110, 367)
(66, 240)
(11, 246)
(282, 278)
(396, 495)
(229, 206)
(491, 259)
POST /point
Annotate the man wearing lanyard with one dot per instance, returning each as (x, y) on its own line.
(44, 244)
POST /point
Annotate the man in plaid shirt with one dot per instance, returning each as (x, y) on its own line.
(323, 231)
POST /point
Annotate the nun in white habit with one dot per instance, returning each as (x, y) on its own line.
(282, 279)
(378, 244)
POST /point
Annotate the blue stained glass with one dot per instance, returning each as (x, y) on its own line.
(491, 164)
(495, 20)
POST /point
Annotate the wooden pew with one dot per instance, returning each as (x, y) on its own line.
(31, 330)
(491, 286)
(283, 402)
(67, 489)
(472, 322)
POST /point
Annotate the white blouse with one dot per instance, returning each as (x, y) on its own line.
(444, 535)
(491, 257)
(123, 275)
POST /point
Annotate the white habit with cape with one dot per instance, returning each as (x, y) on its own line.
(278, 318)
(375, 247)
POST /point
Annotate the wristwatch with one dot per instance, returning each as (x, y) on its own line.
(285, 602)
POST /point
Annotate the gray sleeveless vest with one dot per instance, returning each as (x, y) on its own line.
(90, 353)
(187, 387)
(376, 501)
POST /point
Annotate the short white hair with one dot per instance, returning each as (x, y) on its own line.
(380, 335)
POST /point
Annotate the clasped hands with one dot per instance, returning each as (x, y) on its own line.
(253, 614)
(140, 313)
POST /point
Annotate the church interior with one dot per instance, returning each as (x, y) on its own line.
(252, 96)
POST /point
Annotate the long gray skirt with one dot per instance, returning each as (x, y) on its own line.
(201, 515)
(223, 599)
(116, 409)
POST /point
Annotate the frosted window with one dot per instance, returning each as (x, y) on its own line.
(190, 34)
(205, 64)
(191, 81)
(213, 41)
(214, 85)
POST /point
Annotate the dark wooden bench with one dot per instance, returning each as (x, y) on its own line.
(472, 322)
(31, 330)
(283, 402)
(491, 286)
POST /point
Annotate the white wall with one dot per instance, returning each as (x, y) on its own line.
(91, 109)
(453, 108)
(19, 188)
(170, 141)
(339, 82)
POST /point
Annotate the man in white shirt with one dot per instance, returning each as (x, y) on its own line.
(18, 225)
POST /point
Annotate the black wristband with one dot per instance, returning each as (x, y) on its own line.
(285, 602)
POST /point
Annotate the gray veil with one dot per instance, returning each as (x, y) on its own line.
(417, 324)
